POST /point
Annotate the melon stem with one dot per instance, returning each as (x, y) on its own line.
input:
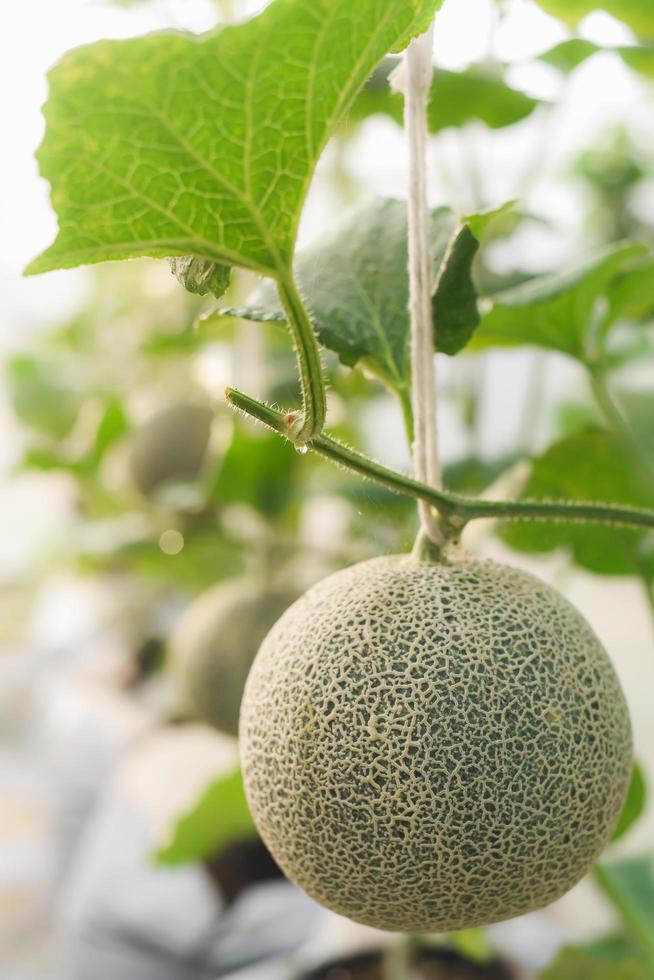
(455, 509)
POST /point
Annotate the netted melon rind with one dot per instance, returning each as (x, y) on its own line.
(215, 642)
(434, 747)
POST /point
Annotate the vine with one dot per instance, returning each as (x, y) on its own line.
(455, 509)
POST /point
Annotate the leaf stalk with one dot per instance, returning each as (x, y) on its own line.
(312, 381)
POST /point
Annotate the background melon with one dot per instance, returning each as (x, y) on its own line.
(170, 447)
(434, 747)
(216, 641)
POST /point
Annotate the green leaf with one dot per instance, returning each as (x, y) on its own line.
(258, 470)
(355, 282)
(174, 144)
(200, 276)
(501, 220)
(615, 947)
(473, 944)
(554, 310)
(40, 399)
(633, 805)
(637, 408)
(577, 964)
(639, 58)
(455, 98)
(46, 459)
(206, 558)
(568, 55)
(471, 475)
(637, 14)
(631, 294)
(629, 885)
(219, 818)
(588, 465)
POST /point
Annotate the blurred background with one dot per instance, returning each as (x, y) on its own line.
(128, 490)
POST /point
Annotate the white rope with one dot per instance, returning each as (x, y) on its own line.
(414, 78)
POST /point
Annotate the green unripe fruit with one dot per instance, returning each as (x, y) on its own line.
(170, 447)
(429, 747)
(215, 643)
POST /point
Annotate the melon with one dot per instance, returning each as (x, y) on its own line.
(170, 447)
(215, 642)
(432, 747)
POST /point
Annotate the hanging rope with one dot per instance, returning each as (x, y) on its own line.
(414, 78)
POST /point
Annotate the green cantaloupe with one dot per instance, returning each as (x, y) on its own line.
(430, 747)
(170, 447)
(216, 641)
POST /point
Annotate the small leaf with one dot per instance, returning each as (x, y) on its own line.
(473, 944)
(39, 398)
(631, 294)
(554, 310)
(568, 55)
(637, 408)
(200, 276)
(495, 219)
(454, 303)
(615, 947)
(639, 58)
(472, 475)
(637, 14)
(179, 145)
(633, 805)
(356, 284)
(629, 886)
(589, 465)
(219, 818)
(258, 470)
(578, 964)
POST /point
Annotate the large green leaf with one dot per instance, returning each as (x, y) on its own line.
(554, 311)
(579, 964)
(633, 805)
(589, 465)
(629, 885)
(455, 98)
(220, 817)
(637, 14)
(174, 144)
(355, 281)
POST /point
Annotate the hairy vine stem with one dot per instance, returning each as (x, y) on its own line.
(415, 79)
(312, 381)
(456, 510)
